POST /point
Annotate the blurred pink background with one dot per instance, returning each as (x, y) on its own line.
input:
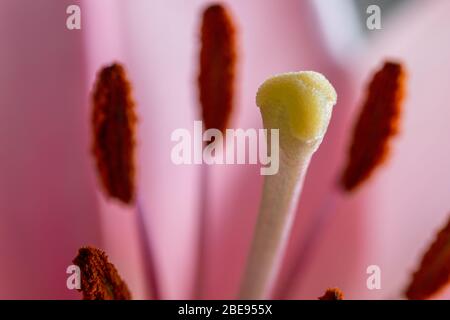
(51, 203)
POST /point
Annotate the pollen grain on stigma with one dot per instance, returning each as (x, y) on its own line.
(377, 124)
(114, 125)
(99, 278)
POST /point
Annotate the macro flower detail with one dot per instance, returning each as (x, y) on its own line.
(89, 123)
(378, 123)
(99, 278)
(433, 273)
(114, 120)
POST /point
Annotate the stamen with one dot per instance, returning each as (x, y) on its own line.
(114, 125)
(114, 121)
(332, 294)
(216, 94)
(378, 123)
(217, 67)
(434, 271)
(99, 277)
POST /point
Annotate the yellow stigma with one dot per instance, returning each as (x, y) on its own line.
(299, 101)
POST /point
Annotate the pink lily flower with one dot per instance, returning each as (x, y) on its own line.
(51, 202)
